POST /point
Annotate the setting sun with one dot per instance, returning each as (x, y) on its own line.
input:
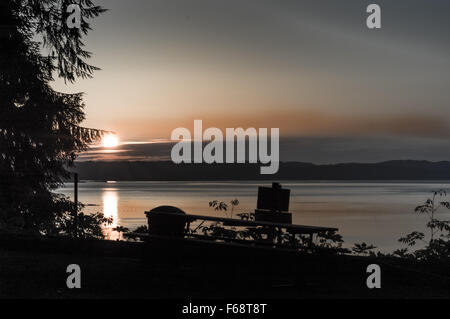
(110, 140)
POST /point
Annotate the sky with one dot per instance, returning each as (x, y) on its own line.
(337, 90)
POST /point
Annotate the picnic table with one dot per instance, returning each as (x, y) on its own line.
(183, 223)
(276, 229)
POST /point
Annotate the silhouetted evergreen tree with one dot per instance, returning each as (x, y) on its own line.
(40, 132)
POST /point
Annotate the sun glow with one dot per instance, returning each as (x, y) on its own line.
(110, 140)
(110, 210)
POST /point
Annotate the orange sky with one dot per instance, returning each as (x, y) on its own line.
(308, 69)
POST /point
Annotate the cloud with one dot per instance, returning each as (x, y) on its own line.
(151, 151)
(299, 123)
(319, 150)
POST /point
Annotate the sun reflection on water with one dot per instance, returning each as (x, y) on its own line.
(110, 210)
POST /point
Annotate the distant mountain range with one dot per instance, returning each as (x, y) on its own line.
(168, 171)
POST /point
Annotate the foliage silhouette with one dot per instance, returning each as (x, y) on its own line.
(363, 249)
(222, 206)
(437, 245)
(121, 230)
(89, 225)
(141, 229)
(40, 132)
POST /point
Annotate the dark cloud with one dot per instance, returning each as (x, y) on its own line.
(319, 150)
(134, 152)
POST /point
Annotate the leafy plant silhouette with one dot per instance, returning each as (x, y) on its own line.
(222, 206)
(363, 249)
(437, 244)
(121, 230)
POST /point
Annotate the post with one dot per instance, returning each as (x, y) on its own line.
(311, 240)
(75, 196)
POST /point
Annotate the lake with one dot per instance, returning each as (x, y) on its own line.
(374, 212)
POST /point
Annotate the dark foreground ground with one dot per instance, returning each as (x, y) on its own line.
(37, 269)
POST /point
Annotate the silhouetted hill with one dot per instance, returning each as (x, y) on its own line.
(166, 171)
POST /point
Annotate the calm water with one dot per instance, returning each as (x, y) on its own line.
(377, 213)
